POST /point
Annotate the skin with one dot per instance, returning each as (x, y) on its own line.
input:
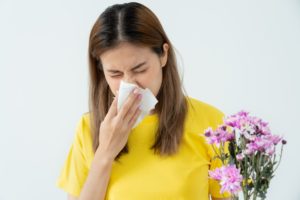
(133, 64)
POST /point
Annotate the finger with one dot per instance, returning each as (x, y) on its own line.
(113, 108)
(133, 108)
(128, 103)
(134, 117)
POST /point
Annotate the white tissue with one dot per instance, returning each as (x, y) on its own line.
(147, 103)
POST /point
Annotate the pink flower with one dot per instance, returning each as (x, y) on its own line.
(274, 138)
(218, 136)
(235, 121)
(265, 144)
(217, 174)
(240, 156)
(229, 177)
(250, 138)
(246, 125)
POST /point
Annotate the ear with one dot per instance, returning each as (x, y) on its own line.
(164, 56)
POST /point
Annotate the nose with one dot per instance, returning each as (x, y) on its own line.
(132, 80)
(129, 79)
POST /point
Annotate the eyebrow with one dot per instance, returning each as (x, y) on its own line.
(135, 67)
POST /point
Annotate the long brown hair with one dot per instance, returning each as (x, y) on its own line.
(137, 24)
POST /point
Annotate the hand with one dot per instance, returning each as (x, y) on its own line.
(116, 126)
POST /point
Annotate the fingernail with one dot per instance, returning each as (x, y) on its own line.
(136, 90)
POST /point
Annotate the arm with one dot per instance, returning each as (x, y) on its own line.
(97, 180)
(114, 129)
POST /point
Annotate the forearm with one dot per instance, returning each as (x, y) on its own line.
(98, 178)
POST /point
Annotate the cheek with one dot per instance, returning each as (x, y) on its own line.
(113, 84)
(148, 80)
(153, 81)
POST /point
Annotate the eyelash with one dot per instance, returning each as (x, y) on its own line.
(135, 72)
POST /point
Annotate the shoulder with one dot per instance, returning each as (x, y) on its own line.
(201, 112)
(202, 107)
(83, 135)
(84, 122)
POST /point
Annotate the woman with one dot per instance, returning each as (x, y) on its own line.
(164, 156)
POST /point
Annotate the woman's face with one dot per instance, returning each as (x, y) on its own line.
(134, 64)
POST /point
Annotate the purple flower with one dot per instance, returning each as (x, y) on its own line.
(229, 177)
(235, 121)
(265, 144)
(274, 138)
(246, 125)
(209, 132)
(248, 136)
(218, 136)
(283, 142)
(217, 174)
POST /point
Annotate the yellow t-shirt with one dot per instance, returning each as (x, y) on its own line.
(142, 175)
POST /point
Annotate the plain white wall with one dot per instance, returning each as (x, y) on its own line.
(234, 55)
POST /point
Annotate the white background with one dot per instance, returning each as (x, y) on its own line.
(234, 54)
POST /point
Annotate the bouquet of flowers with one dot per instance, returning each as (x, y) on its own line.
(247, 149)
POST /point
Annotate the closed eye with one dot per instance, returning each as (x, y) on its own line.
(140, 71)
(118, 75)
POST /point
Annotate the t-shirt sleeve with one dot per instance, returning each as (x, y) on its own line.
(214, 186)
(75, 170)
